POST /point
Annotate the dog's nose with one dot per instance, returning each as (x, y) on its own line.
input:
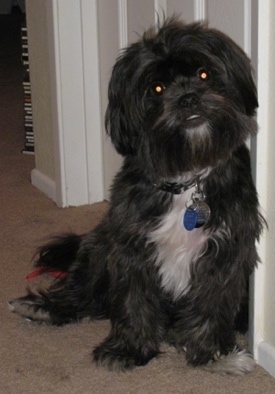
(189, 100)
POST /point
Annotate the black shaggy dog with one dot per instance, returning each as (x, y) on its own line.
(171, 259)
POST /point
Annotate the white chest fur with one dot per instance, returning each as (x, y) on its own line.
(177, 248)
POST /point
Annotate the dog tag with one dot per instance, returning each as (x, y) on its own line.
(190, 218)
(203, 213)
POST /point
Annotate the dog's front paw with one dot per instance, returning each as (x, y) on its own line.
(31, 307)
(236, 362)
(120, 358)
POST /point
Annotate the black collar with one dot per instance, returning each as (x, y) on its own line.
(175, 187)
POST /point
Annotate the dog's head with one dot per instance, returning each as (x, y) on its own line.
(182, 99)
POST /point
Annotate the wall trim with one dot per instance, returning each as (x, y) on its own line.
(247, 26)
(56, 101)
(123, 23)
(160, 7)
(200, 10)
(257, 332)
(92, 101)
(266, 357)
(43, 183)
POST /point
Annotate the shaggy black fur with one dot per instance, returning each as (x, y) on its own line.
(181, 106)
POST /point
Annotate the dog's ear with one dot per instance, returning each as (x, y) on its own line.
(239, 69)
(122, 112)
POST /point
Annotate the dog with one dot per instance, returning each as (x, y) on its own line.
(171, 259)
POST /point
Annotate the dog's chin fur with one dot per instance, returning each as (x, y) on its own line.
(181, 106)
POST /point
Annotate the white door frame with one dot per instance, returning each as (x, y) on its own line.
(263, 350)
(76, 101)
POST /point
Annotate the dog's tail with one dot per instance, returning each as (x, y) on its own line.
(57, 256)
(54, 259)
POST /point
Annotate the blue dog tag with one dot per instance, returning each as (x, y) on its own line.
(190, 219)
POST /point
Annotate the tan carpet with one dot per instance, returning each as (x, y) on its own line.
(44, 359)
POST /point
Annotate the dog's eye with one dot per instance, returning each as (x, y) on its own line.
(203, 74)
(157, 88)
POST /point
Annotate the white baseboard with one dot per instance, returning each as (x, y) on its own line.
(44, 184)
(266, 357)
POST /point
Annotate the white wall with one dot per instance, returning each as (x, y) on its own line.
(270, 207)
(65, 90)
(109, 33)
(264, 294)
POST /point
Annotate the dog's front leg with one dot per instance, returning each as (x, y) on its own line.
(203, 331)
(205, 324)
(136, 318)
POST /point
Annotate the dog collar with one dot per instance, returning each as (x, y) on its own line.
(197, 212)
(174, 187)
(180, 187)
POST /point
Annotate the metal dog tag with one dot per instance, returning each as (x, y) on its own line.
(203, 213)
(197, 211)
